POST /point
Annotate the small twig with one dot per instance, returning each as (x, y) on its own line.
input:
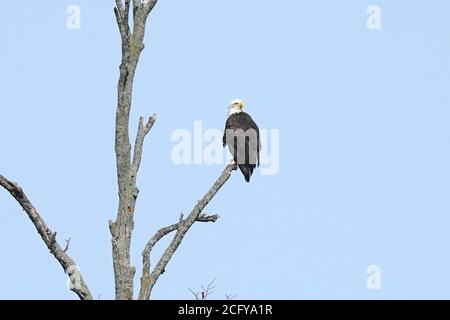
(195, 294)
(67, 244)
(207, 218)
(230, 296)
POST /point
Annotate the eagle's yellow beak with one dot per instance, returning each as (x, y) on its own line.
(237, 104)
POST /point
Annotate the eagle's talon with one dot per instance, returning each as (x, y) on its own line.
(234, 164)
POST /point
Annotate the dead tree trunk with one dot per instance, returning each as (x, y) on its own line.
(127, 166)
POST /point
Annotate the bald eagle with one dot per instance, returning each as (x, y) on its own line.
(242, 137)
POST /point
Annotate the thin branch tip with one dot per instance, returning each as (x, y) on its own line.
(67, 244)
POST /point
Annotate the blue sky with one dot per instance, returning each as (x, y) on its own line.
(363, 115)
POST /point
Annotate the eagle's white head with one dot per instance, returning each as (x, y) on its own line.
(237, 105)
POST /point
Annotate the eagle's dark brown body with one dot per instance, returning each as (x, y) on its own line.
(242, 137)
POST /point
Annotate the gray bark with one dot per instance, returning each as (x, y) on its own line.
(77, 283)
(127, 168)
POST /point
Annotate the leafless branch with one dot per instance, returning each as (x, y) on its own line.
(195, 294)
(77, 283)
(208, 290)
(163, 232)
(148, 278)
(122, 23)
(230, 296)
(208, 218)
(126, 13)
(149, 4)
(140, 135)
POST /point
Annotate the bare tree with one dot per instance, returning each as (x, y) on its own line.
(131, 16)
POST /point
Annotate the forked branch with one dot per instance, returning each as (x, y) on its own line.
(148, 278)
